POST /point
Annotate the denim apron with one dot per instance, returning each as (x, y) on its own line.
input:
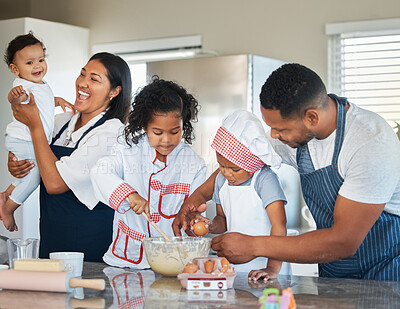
(66, 224)
(378, 257)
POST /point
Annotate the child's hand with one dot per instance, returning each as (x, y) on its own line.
(64, 104)
(138, 204)
(199, 218)
(17, 95)
(264, 273)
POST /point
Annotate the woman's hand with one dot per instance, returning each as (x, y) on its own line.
(28, 114)
(138, 204)
(17, 168)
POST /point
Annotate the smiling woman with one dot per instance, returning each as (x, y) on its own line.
(71, 218)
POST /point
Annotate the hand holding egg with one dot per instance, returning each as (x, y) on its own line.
(200, 228)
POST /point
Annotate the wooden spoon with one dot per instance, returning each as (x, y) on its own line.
(157, 228)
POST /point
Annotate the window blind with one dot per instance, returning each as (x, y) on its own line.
(365, 68)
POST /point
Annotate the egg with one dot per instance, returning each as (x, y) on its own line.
(200, 228)
(190, 268)
(224, 262)
(208, 266)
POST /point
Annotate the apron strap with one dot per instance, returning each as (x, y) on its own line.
(59, 133)
(340, 125)
(98, 123)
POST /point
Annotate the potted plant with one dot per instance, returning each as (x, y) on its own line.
(398, 129)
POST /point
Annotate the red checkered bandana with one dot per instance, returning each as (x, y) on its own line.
(230, 148)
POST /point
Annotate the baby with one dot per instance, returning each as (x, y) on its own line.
(25, 56)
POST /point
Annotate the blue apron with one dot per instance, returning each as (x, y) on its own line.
(66, 224)
(378, 257)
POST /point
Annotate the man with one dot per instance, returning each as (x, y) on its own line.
(349, 166)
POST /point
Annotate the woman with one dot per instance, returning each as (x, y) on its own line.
(71, 219)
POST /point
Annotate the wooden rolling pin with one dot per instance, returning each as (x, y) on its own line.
(45, 281)
(45, 300)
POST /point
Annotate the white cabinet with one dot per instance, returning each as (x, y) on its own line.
(67, 49)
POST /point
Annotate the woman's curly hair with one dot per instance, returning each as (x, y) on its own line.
(292, 89)
(160, 97)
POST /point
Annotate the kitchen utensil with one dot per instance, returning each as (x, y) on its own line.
(22, 249)
(45, 281)
(39, 265)
(169, 258)
(157, 228)
(45, 300)
(73, 261)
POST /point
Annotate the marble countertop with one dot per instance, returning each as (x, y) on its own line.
(146, 289)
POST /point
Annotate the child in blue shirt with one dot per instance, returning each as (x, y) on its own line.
(247, 193)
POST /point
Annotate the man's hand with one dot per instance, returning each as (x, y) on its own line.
(235, 247)
(17, 168)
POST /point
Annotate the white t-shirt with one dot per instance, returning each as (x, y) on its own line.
(44, 99)
(75, 169)
(369, 160)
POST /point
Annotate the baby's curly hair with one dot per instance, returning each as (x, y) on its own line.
(19, 43)
(292, 89)
(161, 96)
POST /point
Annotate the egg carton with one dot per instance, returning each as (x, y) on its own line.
(201, 280)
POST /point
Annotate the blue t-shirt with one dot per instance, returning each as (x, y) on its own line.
(267, 187)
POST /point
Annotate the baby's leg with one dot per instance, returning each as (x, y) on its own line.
(8, 210)
(23, 189)
(4, 197)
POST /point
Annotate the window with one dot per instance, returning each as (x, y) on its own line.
(364, 65)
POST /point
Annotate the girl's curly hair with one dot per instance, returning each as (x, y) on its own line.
(160, 97)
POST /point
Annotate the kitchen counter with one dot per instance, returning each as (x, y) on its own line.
(146, 289)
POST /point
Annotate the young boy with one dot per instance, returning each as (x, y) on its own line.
(247, 193)
(25, 56)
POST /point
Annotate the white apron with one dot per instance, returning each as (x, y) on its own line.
(165, 185)
(246, 214)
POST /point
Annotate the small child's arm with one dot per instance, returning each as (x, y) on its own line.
(277, 217)
(216, 226)
(138, 204)
(64, 104)
(17, 95)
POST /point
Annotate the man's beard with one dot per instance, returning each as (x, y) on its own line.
(310, 135)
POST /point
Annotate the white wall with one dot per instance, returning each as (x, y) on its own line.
(67, 50)
(8, 30)
(287, 29)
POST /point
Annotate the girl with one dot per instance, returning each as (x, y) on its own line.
(247, 193)
(153, 171)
